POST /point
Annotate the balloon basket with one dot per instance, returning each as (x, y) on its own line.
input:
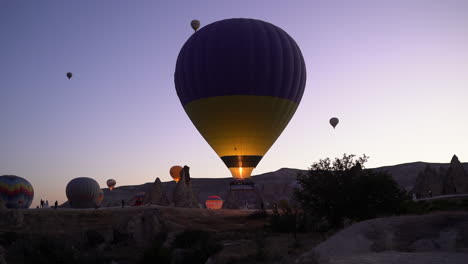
(242, 185)
(243, 194)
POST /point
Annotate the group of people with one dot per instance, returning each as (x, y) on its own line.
(45, 204)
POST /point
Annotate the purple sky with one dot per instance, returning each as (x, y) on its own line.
(394, 72)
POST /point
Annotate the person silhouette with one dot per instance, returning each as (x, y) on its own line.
(56, 204)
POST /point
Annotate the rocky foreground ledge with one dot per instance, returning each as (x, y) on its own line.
(423, 239)
(111, 233)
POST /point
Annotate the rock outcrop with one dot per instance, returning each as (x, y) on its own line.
(404, 239)
(184, 195)
(431, 182)
(180, 194)
(156, 194)
(456, 179)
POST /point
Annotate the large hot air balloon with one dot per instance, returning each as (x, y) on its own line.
(334, 121)
(83, 192)
(16, 192)
(195, 24)
(69, 75)
(240, 81)
(175, 172)
(214, 202)
(111, 184)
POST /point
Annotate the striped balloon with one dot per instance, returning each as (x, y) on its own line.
(240, 81)
(214, 202)
(83, 192)
(16, 192)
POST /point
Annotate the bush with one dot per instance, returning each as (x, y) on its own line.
(424, 207)
(339, 190)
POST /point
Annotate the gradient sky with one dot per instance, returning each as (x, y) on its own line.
(394, 72)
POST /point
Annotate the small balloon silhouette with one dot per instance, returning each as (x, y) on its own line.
(195, 24)
(334, 121)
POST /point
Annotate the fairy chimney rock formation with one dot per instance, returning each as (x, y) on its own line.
(184, 196)
(451, 180)
(456, 179)
(428, 181)
(156, 194)
(181, 193)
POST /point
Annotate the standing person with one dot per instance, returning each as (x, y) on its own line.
(47, 204)
(123, 203)
(42, 203)
(56, 204)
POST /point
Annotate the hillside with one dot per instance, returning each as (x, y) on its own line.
(273, 186)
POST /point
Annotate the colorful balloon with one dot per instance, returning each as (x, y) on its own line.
(83, 192)
(240, 81)
(69, 75)
(111, 184)
(175, 172)
(195, 24)
(334, 121)
(16, 192)
(214, 202)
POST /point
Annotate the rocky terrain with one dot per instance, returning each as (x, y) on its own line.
(121, 235)
(139, 235)
(444, 180)
(437, 238)
(272, 187)
(279, 185)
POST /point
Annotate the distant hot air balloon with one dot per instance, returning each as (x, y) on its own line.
(195, 24)
(16, 192)
(175, 172)
(138, 199)
(83, 192)
(69, 75)
(240, 81)
(214, 202)
(111, 184)
(334, 121)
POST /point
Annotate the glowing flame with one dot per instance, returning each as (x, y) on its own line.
(240, 171)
